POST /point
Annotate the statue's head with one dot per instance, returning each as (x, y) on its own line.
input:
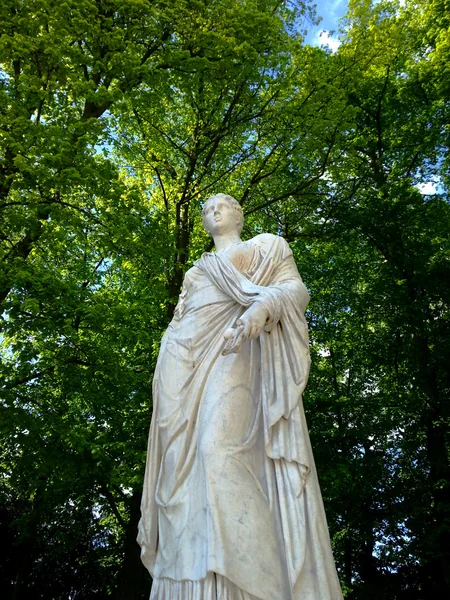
(217, 215)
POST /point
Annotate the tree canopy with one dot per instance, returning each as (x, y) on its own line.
(118, 118)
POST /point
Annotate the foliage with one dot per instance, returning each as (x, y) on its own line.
(118, 118)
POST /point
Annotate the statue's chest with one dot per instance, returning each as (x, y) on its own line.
(246, 258)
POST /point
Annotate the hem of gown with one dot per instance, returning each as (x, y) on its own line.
(212, 587)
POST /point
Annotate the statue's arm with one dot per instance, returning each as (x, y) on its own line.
(288, 285)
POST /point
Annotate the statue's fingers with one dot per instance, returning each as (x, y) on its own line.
(247, 330)
(255, 332)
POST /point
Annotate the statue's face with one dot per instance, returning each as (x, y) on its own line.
(220, 217)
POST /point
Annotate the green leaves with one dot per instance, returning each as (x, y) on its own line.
(117, 120)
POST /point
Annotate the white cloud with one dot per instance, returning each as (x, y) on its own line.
(428, 188)
(325, 39)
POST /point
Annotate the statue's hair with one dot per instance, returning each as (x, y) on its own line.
(232, 202)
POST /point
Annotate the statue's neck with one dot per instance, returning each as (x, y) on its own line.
(222, 242)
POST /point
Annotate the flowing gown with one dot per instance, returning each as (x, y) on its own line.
(231, 507)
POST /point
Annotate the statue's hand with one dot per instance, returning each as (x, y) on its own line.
(253, 320)
(249, 326)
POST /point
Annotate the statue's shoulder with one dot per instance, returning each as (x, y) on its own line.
(268, 242)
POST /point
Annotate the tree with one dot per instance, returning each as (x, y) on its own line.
(117, 120)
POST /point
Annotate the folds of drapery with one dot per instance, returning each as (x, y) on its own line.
(212, 587)
(148, 524)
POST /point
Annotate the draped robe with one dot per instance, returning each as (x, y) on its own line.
(230, 484)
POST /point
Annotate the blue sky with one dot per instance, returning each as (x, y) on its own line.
(330, 11)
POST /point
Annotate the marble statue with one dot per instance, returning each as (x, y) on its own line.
(231, 506)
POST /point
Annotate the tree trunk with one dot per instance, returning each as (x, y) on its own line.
(182, 252)
(133, 582)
